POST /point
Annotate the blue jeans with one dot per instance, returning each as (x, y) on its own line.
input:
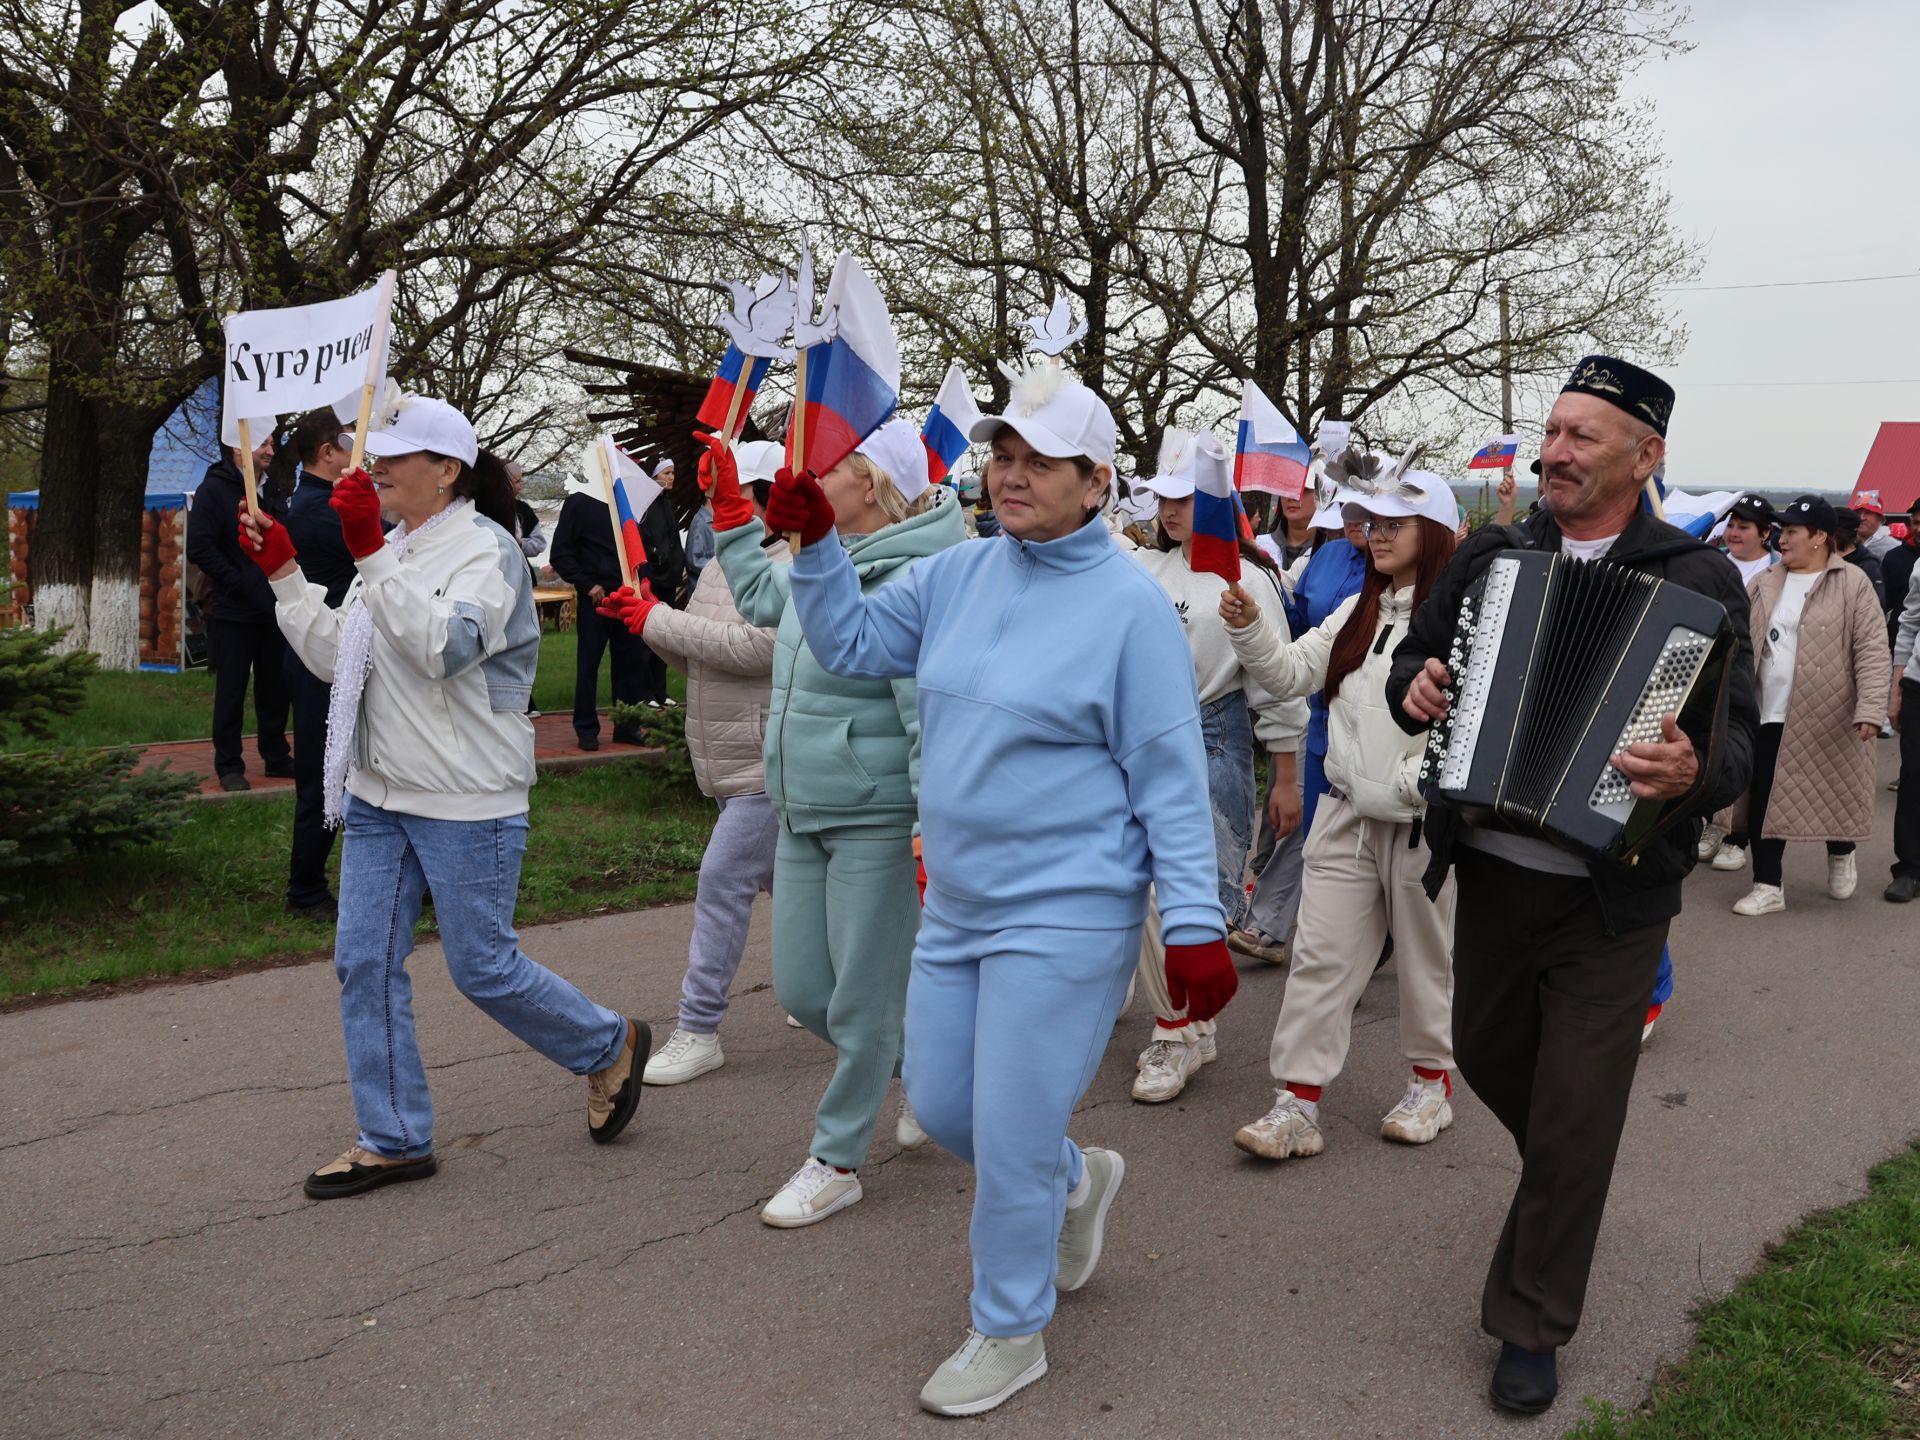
(1228, 732)
(473, 869)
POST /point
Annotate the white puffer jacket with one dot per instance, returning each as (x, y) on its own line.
(443, 729)
(729, 666)
(1369, 757)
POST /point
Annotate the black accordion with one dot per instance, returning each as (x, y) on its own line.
(1558, 665)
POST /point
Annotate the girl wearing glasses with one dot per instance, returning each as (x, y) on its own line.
(1363, 856)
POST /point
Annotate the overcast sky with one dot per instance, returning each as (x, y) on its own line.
(1790, 134)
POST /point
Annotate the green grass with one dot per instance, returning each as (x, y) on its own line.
(610, 837)
(147, 707)
(1822, 1342)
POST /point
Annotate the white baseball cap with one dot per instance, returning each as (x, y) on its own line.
(1330, 516)
(1056, 415)
(420, 424)
(897, 449)
(1419, 492)
(758, 459)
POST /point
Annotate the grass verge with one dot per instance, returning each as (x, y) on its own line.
(611, 837)
(1822, 1342)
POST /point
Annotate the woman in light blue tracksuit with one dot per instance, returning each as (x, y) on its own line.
(1062, 771)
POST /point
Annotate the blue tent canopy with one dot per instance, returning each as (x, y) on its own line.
(183, 448)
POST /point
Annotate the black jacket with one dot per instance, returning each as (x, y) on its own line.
(1649, 891)
(582, 552)
(240, 593)
(1896, 573)
(1870, 567)
(316, 534)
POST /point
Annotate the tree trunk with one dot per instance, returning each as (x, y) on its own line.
(125, 445)
(63, 539)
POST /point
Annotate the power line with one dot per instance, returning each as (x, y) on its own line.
(1797, 284)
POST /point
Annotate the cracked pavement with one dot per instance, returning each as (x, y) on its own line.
(162, 1274)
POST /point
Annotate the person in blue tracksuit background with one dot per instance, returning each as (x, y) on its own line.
(1334, 571)
(1062, 771)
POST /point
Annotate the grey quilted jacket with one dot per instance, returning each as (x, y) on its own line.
(729, 666)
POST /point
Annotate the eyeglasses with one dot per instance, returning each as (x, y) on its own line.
(1386, 529)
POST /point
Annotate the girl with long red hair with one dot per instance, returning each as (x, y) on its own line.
(1364, 861)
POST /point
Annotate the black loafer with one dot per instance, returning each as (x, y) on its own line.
(281, 770)
(326, 910)
(234, 780)
(589, 742)
(1903, 889)
(1524, 1381)
(625, 1100)
(350, 1175)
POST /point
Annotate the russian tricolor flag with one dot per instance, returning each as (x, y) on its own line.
(850, 382)
(634, 492)
(1496, 454)
(954, 413)
(731, 392)
(1216, 511)
(1270, 455)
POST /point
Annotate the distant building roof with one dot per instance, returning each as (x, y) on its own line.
(1893, 466)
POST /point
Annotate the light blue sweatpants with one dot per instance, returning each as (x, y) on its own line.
(1004, 1032)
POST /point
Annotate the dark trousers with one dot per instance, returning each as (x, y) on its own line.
(1768, 855)
(1547, 1010)
(237, 651)
(312, 840)
(595, 635)
(1906, 808)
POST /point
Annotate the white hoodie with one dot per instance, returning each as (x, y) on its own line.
(1369, 757)
(443, 729)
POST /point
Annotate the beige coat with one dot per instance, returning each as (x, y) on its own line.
(729, 666)
(1823, 787)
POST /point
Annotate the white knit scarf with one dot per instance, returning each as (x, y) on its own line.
(350, 669)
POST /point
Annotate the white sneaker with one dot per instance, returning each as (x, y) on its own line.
(906, 1130)
(983, 1373)
(1164, 1068)
(795, 1024)
(814, 1193)
(1843, 876)
(1423, 1112)
(1285, 1130)
(1761, 900)
(1709, 845)
(1730, 857)
(684, 1056)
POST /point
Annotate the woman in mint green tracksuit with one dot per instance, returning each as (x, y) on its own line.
(842, 760)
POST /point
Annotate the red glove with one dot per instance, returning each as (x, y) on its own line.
(920, 869)
(1201, 978)
(275, 547)
(798, 506)
(357, 504)
(719, 476)
(630, 609)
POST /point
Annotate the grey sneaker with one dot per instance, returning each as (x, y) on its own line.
(1284, 1131)
(982, 1373)
(1084, 1230)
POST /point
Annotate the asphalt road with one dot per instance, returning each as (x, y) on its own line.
(161, 1273)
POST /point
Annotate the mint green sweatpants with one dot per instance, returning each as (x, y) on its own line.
(845, 914)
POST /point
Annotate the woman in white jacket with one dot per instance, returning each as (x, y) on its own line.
(1235, 711)
(429, 760)
(1364, 860)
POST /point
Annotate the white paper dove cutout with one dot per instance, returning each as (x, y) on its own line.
(760, 318)
(809, 330)
(1054, 331)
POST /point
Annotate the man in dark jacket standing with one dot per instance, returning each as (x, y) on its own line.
(242, 637)
(1554, 956)
(325, 452)
(584, 557)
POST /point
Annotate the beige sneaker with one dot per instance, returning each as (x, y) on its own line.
(1165, 1066)
(1423, 1112)
(907, 1133)
(816, 1191)
(1843, 876)
(1730, 856)
(1284, 1131)
(984, 1372)
(1249, 942)
(613, 1094)
(1761, 900)
(1709, 845)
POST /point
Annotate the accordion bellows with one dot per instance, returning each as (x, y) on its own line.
(1557, 665)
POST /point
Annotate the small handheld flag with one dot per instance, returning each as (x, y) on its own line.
(730, 393)
(1269, 453)
(1216, 512)
(1496, 454)
(849, 381)
(626, 485)
(945, 433)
